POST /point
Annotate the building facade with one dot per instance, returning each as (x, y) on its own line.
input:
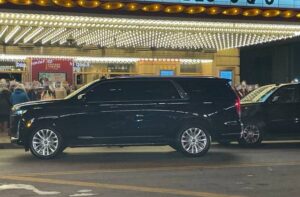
(163, 38)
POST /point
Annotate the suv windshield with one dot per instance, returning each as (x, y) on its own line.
(80, 89)
(260, 94)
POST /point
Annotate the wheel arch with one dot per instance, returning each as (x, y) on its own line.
(37, 124)
(200, 122)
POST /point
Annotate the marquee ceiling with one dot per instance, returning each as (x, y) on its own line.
(29, 30)
(280, 9)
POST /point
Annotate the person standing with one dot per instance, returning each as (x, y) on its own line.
(47, 94)
(19, 95)
(60, 91)
(5, 107)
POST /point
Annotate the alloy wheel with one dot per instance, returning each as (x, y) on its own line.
(45, 142)
(251, 134)
(194, 140)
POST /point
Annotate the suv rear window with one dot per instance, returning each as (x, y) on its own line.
(207, 88)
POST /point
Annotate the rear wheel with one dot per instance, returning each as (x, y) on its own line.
(193, 141)
(46, 143)
(252, 134)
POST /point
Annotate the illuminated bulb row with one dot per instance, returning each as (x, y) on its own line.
(79, 21)
(53, 35)
(3, 30)
(64, 37)
(43, 35)
(22, 34)
(33, 34)
(157, 7)
(11, 34)
(5, 57)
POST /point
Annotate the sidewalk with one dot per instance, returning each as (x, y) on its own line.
(5, 142)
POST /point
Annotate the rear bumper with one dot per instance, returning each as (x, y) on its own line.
(233, 131)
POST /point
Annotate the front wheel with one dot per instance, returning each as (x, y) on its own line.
(251, 135)
(46, 143)
(193, 141)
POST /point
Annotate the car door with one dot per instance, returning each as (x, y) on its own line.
(107, 114)
(297, 111)
(158, 103)
(282, 111)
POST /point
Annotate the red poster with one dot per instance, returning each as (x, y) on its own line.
(52, 69)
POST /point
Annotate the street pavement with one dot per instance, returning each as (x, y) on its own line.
(272, 170)
(5, 141)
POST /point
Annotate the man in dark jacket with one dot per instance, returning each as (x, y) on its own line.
(5, 106)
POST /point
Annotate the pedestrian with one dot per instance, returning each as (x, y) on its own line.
(47, 94)
(60, 91)
(19, 95)
(244, 89)
(5, 107)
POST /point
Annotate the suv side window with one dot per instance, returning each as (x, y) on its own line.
(285, 94)
(104, 92)
(153, 90)
(138, 90)
(207, 88)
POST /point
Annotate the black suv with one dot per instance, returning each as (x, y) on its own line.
(271, 112)
(183, 112)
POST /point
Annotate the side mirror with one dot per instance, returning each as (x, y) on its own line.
(82, 97)
(275, 99)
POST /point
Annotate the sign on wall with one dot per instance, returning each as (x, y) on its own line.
(242, 3)
(226, 74)
(52, 69)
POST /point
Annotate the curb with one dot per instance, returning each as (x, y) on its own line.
(9, 146)
(6, 144)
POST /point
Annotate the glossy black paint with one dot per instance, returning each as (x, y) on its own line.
(156, 121)
(279, 120)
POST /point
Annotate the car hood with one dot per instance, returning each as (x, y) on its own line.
(32, 104)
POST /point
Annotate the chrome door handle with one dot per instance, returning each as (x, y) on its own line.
(207, 102)
(139, 115)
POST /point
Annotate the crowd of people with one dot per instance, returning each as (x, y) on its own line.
(13, 92)
(243, 89)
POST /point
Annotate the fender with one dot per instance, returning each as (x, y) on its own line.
(30, 124)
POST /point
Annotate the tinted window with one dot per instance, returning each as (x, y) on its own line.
(285, 94)
(207, 88)
(133, 90)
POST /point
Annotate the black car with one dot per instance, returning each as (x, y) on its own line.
(183, 112)
(271, 112)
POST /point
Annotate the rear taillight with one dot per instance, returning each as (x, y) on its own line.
(238, 106)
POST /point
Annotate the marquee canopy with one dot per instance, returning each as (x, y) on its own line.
(27, 30)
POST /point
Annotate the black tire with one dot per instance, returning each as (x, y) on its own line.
(252, 134)
(193, 141)
(46, 143)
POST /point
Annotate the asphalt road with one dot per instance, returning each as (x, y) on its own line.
(269, 171)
